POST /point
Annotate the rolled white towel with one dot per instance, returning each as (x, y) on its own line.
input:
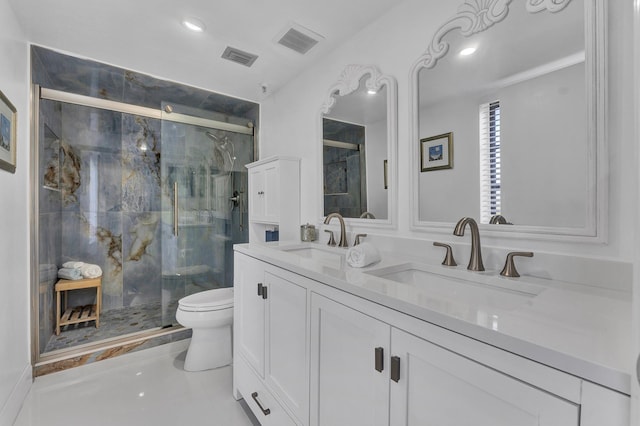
(362, 255)
(73, 265)
(89, 270)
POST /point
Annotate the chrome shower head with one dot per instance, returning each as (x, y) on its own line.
(212, 136)
(221, 142)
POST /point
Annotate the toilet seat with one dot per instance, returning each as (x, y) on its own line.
(209, 300)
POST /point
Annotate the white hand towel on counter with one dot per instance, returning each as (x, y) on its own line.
(90, 271)
(73, 265)
(362, 255)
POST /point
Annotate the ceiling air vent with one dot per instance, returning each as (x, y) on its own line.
(237, 55)
(299, 39)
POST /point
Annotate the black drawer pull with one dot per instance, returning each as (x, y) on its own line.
(260, 289)
(379, 359)
(264, 292)
(395, 368)
(265, 411)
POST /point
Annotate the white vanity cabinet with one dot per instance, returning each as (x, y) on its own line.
(271, 357)
(321, 356)
(366, 372)
(274, 197)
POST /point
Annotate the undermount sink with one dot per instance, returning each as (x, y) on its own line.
(324, 256)
(454, 281)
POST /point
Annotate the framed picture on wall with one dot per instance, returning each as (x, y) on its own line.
(7, 135)
(436, 152)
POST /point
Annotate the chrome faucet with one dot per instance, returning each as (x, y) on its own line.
(475, 261)
(343, 238)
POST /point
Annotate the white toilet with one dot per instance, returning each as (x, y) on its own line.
(210, 315)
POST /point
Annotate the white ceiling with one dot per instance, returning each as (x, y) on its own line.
(147, 36)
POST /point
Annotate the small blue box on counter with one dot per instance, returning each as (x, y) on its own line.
(272, 235)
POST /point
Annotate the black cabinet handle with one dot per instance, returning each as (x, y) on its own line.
(379, 359)
(264, 292)
(265, 411)
(395, 368)
(260, 289)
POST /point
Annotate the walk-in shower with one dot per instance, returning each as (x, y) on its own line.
(143, 177)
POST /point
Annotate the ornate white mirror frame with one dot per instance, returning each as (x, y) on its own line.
(473, 17)
(348, 82)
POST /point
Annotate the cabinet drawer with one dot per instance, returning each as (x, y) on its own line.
(263, 405)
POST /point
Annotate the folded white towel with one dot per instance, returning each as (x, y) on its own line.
(362, 255)
(90, 271)
(72, 265)
(69, 274)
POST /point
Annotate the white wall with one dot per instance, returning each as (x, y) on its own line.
(15, 368)
(376, 151)
(393, 43)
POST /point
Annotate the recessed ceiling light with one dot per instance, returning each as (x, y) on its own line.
(194, 24)
(372, 91)
(467, 51)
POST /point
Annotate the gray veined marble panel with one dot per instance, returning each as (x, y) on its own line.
(96, 238)
(94, 181)
(141, 168)
(39, 73)
(49, 193)
(96, 128)
(50, 238)
(75, 75)
(232, 107)
(142, 254)
(144, 90)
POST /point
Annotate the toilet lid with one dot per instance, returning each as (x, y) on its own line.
(209, 300)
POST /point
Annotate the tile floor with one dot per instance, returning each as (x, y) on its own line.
(114, 323)
(142, 388)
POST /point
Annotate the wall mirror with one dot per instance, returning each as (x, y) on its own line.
(519, 87)
(359, 143)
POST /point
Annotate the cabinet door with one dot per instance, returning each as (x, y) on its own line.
(271, 196)
(287, 368)
(439, 387)
(346, 388)
(249, 308)
(256, 194)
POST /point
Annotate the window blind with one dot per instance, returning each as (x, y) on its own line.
(490, 180)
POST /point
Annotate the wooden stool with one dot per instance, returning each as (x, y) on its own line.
(79, 313)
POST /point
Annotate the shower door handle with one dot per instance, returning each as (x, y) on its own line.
(175, 209)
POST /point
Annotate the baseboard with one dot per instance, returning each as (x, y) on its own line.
(13, 405)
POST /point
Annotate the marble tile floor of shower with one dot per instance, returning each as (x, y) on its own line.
(148, 387)
(113, 323)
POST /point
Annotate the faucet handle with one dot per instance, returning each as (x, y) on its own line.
(509, 269)
(448, 258)
(358, 236)
(332, 240)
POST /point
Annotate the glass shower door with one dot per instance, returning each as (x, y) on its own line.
(204, 209)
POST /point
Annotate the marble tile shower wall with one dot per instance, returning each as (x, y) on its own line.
(103, 196)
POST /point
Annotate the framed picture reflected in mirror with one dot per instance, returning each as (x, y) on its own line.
(436, 152)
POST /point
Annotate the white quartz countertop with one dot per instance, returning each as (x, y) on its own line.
(581, 330)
